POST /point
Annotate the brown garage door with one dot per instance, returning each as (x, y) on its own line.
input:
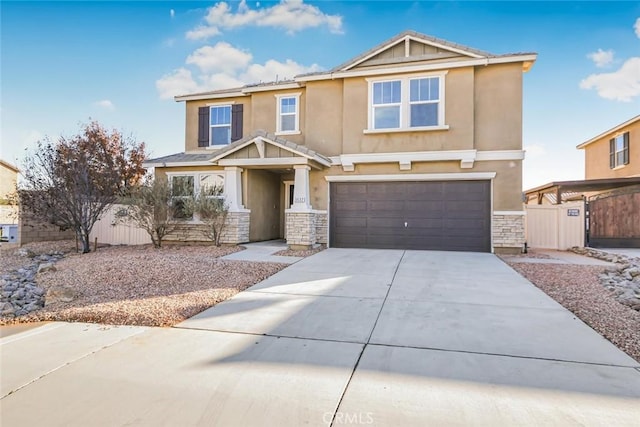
(438, 215)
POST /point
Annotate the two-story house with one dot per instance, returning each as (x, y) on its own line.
(614, 153)
(8, 179)
(414, 144)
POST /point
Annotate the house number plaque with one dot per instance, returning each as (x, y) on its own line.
(573, 212)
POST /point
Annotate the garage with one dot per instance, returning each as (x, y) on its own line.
(432, 215)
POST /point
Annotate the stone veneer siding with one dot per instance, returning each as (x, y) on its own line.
(322, 229)
(508, 232)
(236, 229)
(301, 228)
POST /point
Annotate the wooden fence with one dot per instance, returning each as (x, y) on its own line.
(555, 226)
(106, 230)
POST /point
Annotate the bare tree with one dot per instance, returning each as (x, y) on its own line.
(211, 209)
(153, 207)
(71, 182)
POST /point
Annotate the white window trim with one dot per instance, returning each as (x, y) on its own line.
(217, 105)
(405, 103)
(196, 187)
(616, 151)
(296, 130)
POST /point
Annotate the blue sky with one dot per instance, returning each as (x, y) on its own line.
(121, 62)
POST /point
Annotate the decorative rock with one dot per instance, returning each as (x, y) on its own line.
(60, 294)
(623, 280)
(26, 252)
(19, 294)
(45, 267)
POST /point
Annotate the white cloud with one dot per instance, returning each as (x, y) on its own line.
(290, 15)
(178, 82)
(223, 66)
(202, 32)
(221, 57)
(106, 104)
(637, 27)
(172, 13)
(621, 85)
(601, 58)
(274, 70)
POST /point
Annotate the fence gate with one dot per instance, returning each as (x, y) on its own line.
(614, 220)
(555, 226)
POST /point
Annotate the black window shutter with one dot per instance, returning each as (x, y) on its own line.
(612, 153)
(626, 148)
(236, 122)
(203, 127)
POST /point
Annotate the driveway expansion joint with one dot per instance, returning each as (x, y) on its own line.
(513, 356)
(355, 367)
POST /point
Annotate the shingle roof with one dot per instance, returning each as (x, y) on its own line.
(182, 158)
(282, 141)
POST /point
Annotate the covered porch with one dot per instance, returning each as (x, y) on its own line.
(268, 193)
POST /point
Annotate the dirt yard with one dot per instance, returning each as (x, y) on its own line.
(138, 285)
(577, 288)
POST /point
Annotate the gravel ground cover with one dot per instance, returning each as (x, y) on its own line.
(577, 288)
(304, 254)
(140, 285)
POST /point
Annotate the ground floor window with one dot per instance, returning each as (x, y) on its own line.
(185, 187)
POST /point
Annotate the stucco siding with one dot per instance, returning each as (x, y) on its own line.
(263, 199)
(8, 179)
(191, 124)
(597, 156)
(498, 107)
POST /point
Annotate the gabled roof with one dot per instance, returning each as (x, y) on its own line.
(412, 35)
(292, 147)
(471, 57)
(612, 130)
(9, 165)
(180, 159)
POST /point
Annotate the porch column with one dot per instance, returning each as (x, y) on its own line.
(301, 189)
(233, 188)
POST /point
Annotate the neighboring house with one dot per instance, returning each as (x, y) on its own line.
(610, 190)
(614, 153)
(415, 144)
(8, 178)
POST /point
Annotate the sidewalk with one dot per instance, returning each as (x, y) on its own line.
(263, 252)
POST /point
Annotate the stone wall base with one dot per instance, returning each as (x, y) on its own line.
(235, 231)
(301, 229)
(508, 233)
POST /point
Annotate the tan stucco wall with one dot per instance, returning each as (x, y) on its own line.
(597, 156)
(265, 108)
(263, 198)
(323, 130)
(507, 194)
(8, 179)
(459, 85)
(498, 107)
(191, 123)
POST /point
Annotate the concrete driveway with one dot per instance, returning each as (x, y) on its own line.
(345, 337)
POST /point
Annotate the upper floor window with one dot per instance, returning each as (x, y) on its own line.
(220, 133)
(219, 124)
(288, 115)
(619, 150)
(407, 103)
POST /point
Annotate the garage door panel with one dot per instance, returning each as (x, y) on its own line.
(344, 222)
(452, 215)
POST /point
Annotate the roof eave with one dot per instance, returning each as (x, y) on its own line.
(610, 131)
(526, 58)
